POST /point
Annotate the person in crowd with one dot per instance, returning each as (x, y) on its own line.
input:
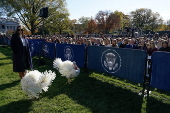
(151, 47)
(98, 42)
(54, 39)
(169, 42)
(156, 36)
(165, 47)
(136, 34)
(61, 40)
(149, 35)
(159, 43)
(84, 41)
(88, 43)
(65, 40)
(81, 41)
(69, 41)
(74, 39)
(49, 40)
(78, 42)
(57, 40)
(93, 41)
(114, 43)
(131, 44)
(107, 42)
(21, 52)
(125, 42)
(119, 41)
(142, 45)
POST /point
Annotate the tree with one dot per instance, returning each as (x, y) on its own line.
(155, 21)
(106, 21)
(28, 10)
(146, 18)
(167, 25)
(58, 22)
(82, 24)
(91, 27)
(141, 17)
(124, 20)
(101, 18)
(113, 22)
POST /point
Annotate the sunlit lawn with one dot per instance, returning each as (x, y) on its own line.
(90, 92)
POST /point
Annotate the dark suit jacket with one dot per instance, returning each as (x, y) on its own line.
(122, 46)
(167, 49)
(130, 46)
(18, 54)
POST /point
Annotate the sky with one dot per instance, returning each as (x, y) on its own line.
(89, 8)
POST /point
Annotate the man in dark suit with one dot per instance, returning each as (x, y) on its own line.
(21, 53)
(125, 42)
(131, 44)
(165, 47)
(98, 42)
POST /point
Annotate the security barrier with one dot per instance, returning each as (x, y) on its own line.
(124, 63)
(160, 75)
(71, 52)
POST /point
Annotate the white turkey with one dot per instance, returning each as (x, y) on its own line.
(66, 68)
(34, 82)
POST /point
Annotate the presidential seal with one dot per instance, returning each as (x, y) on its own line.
(111, 61)
(68, 53)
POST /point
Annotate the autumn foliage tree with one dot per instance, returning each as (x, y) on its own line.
(91, 27)
(106, 21)
(113, 22)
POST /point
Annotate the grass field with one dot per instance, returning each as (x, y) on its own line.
(90, 92)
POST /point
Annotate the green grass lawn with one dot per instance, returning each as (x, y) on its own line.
(90, 92)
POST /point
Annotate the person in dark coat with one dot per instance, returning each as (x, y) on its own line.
(98, 42)
(165, 47)
(125, 42)
(151, 48)
(131, 44)
(21, 53)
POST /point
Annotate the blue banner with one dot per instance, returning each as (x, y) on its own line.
(1, 41)
(8, 42)
(71, 52)
(49, 50)
(124, 63)
(34, 48)
(40, 50)
(5, 40)
(160, 77)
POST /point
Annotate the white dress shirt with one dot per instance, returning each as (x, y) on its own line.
(23, 40)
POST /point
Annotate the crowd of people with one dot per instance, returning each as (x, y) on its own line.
(146, 43)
